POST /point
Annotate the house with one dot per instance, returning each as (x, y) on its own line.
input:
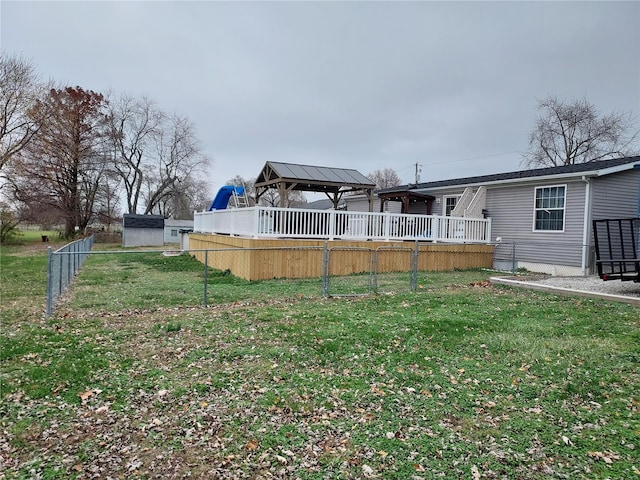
(142, 230)
(173, 228)
(541, 218)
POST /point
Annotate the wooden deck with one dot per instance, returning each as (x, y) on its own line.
(260, 259)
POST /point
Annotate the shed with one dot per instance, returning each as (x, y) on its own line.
(142, 230)
(173, 228)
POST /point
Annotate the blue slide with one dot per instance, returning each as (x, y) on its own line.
(222, 197)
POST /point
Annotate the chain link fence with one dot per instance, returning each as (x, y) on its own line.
(558, 259)
(377, 270)
(62, 266)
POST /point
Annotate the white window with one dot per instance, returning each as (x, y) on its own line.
(450, 203)
(549, 208)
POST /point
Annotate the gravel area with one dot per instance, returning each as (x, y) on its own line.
(587, 284)
(594, 284)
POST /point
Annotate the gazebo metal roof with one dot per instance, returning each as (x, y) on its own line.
(333, 182)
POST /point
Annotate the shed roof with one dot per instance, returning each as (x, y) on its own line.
(130, 220)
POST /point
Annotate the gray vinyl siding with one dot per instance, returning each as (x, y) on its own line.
(616, 195)
(438, 205)
(512, 212)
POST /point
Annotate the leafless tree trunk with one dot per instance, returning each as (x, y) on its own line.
(566, 134)
(19, 89)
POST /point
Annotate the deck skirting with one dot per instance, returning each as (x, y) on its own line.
(261, 259)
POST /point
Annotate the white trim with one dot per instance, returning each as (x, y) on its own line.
(564, 208)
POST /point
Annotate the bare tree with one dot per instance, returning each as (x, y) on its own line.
(386, 178)
(571, 133)
(158, 158)
(108, 199)
(19, 90)
(178, 161)
(63, 166)
(293, 198)
(134, 127)
(189, 195)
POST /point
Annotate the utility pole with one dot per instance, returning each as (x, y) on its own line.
(418, 170)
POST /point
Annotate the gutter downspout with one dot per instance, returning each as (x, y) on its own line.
(586, 225)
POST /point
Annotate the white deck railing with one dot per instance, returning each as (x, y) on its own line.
(270, 222)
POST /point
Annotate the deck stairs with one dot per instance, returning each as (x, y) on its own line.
(470, 204)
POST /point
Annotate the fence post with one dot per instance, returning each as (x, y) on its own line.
(206, 277)
(49, 282)
(513, 258)
(373, 258)
(325, 270)
(414, 267)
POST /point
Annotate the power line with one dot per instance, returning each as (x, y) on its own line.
(474, 158)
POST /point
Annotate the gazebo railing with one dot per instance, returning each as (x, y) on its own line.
(272, 222)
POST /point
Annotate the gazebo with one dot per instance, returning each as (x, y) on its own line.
(407, 198)
(333, 182)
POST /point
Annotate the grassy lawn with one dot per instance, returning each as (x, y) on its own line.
(132, 378)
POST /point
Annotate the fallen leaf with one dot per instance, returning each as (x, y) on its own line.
(251, 445)
(475, 473)
(85, 395)
(418, 467)
(367, 470)
(606, 457)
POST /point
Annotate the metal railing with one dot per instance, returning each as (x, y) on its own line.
(272, 222)
(62, 266)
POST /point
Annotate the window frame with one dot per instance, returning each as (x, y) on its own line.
(444, 204)
(536, 209)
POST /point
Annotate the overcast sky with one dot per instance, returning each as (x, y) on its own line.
(451, 86)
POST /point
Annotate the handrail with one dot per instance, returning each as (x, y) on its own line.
(275, 222)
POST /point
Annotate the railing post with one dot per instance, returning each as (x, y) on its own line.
(386, 218)
(332, 224)
(435, 228)
(257, 224)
